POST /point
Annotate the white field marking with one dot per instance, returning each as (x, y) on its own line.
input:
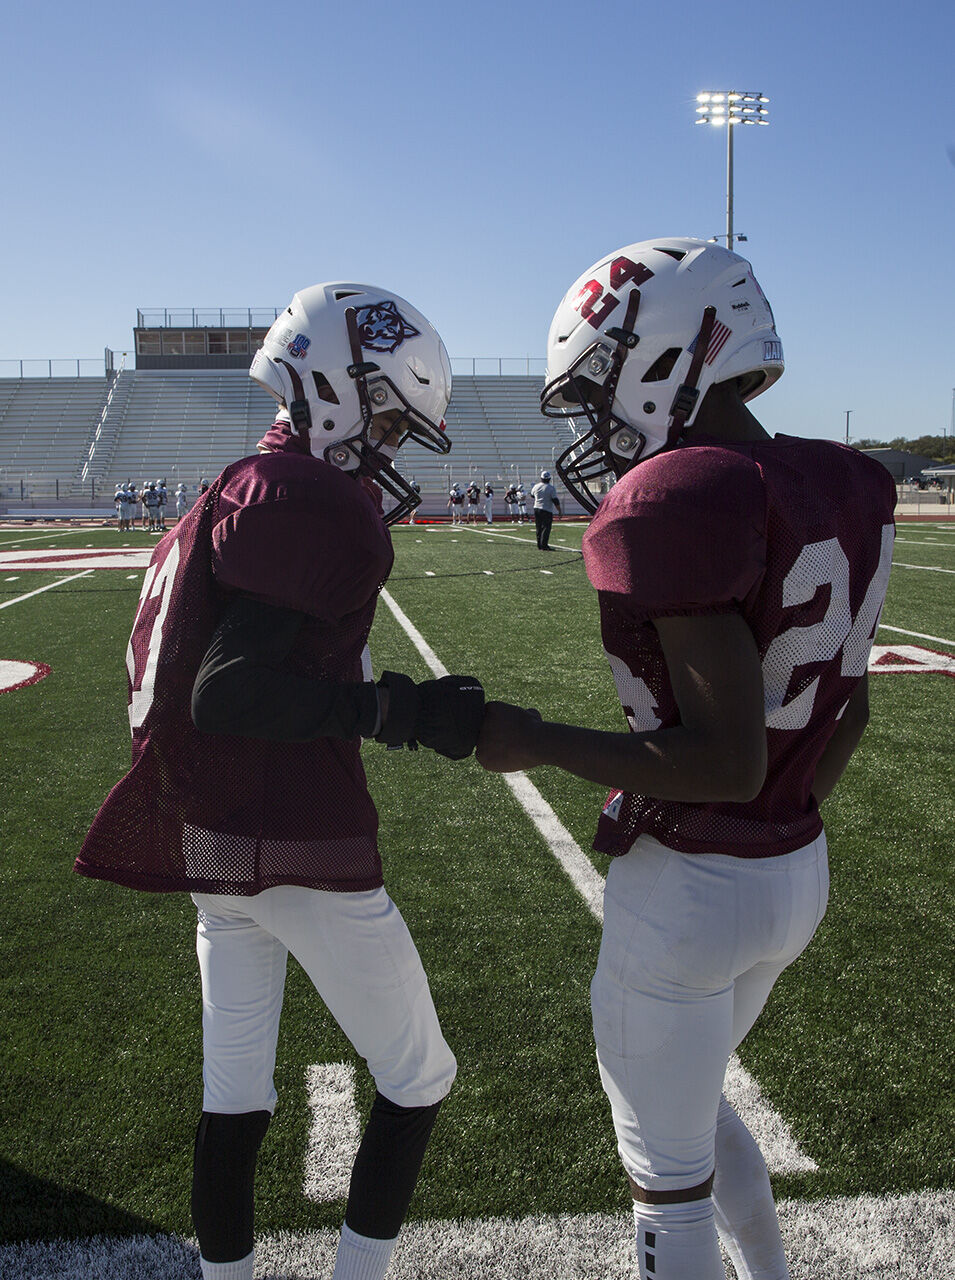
(932, 568)
(49, 559)
(429, 573)
(527, 542)
(131, 575)
(781, 1152)
(41, 537)
(49, 587)
(488, 572)
(903, 1237)
(549, 572)
(929, 542)
(16, 578)
(884, 626)
(335, 1130)
(907, 659)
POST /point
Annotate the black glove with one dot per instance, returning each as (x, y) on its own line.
(444, 714)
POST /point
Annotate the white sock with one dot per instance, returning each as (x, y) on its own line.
(361, 1257)
(677, 1241)
(743, 1202)
(241, 1270)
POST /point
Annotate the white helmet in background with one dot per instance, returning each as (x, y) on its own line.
(340, 354)
(638, 340)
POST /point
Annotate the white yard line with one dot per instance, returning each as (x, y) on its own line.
(49, 587)
(43, 537)
(934, 542)
(779, 1147)
(932, 568)
(899, 1237)
(919, 635)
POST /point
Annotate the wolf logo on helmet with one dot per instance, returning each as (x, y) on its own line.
(638, 382)
(382, 327)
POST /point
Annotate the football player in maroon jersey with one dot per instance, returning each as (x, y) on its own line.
(740, 579)
(248, 706)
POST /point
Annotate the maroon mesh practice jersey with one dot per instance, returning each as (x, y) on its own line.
(795, 535)
(218, 814)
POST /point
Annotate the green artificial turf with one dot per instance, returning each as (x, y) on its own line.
(101, 1062)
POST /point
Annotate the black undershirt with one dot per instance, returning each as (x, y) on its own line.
(242, 690)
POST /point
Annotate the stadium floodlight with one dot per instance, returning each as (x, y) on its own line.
(731, 107)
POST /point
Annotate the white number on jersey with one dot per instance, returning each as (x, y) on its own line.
(157, 583)
(822, 564)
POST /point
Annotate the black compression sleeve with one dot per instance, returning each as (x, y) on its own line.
(242, 689)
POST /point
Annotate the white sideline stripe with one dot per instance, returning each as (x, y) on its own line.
(932, 568)
(906, 1237)
(779, 1147)
(49, 587)
(42, 537)
(335, 1130)
(884, 626)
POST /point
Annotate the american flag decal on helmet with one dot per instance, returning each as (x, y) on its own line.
(717, 341)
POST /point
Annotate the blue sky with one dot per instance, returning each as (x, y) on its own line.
(477, 158)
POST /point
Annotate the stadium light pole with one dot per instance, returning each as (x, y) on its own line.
(848, 411)
(731, 108)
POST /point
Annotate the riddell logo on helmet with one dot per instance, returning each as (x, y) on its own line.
(594, 306)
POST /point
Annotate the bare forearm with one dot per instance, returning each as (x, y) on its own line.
(669, 764)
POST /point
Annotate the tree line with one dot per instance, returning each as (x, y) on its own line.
(941, 448)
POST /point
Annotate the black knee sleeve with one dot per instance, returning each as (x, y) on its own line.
(387, 1166)
(223, 1183)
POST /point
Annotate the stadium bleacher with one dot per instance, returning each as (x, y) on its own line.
(61, 442)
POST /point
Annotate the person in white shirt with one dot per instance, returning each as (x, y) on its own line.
(489, 503)
(546, 506)
(521, 503)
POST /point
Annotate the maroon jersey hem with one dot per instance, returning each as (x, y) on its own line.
(764, 849)
(248, 889)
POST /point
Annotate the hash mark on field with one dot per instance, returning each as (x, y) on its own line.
(335, 1131)
(49, 587)
(781, 1151)
(488, 572)
(549, 572)
(14, 579)
(429, 573)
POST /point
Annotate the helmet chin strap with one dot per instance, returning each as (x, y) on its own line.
(298, 410)
(687, 394)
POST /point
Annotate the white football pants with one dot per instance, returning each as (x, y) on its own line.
(691, 947)
(357, 951)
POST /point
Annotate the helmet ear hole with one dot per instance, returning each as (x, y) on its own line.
(324, 389)
(662, 367)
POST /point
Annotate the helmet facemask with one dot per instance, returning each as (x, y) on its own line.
(611, 446)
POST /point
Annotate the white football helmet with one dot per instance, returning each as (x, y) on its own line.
(638, 340)
(340, 354)
(545, 476)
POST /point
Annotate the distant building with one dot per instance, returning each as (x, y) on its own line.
(901, 465)
(200, 337)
